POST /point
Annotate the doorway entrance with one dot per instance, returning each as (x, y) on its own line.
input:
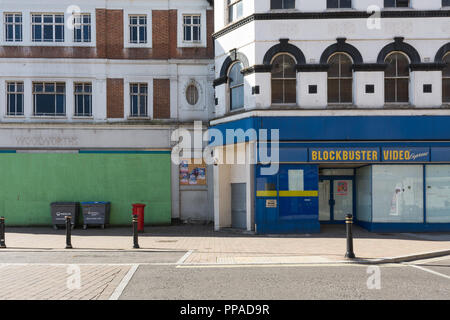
(336, 195)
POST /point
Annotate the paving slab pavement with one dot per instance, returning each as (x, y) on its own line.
(204, 245)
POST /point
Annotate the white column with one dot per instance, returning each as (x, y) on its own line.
(70, 101)
(28, 98)
(250, 184)
(99, 99)
(3, 98)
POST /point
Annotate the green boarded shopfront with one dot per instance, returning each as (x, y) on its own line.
(31, 181)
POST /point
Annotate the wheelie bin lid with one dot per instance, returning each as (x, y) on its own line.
(62, 203)
(96, 202)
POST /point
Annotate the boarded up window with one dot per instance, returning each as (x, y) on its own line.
(161, 99)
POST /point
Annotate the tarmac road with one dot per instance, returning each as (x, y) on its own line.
(165, 275)
(421, 280)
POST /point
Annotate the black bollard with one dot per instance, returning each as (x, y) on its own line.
(135, 233)
(68, 232)
(349, 222)
(2, 232)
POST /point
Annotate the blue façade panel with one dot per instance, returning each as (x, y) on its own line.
(440, 154)
(348, 128)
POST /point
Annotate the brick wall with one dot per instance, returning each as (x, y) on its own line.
(161, 99)
(114, 98)
(110, 41)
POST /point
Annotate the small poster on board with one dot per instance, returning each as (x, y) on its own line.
(192, 173)
(342, 188)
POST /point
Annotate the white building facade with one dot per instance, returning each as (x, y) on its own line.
(100, 86)
(359, 92)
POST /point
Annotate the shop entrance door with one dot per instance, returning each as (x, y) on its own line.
(335, 198)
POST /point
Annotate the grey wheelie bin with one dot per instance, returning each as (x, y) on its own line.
(95, 213)
(59, 211)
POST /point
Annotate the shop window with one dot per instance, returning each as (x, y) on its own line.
(396, 3)
(284, 79)
(340, 79)
(295, 180)
(49, 98)
(282, 4)
(397, 193)
(446, 80)
(438, 193)
(396, 78)
(236, 85)
(334, 4)
(364, 194)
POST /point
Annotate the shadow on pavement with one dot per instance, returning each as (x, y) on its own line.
(196, 230)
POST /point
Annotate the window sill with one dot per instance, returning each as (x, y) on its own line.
(139, 118)
(83, 117)
(237, 110)
(137, 45)
(11, 116)
(340, 9)
(49, 117)
(399, 105)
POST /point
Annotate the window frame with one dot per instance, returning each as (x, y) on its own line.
(138, 26)
(395, 6)
(55, 93)
(239, 86)
(232, 6)
(82, 93)
(339, 7)
(197, 92)
(139, 94)
(340, 78)
(283, 4)
(80, 25)
(14, 26)
(126, 27)
(396, 78)
(284, 79)
(446, 79)
(16, 93)
(192, 26)
(42, 24)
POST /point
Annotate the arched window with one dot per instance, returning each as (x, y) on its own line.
(236, 85)
(340, 79)
(446, 79)
(284, 79)
(396, 78)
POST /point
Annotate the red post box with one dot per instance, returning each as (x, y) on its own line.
(138, 210)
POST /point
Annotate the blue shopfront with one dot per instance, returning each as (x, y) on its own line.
(391, 173)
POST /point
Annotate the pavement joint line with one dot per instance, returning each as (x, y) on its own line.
(90, 250)
(431, 260)
(184, 258)
(122, 285)
(327, 264)
(413, 257)
(428, 270)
